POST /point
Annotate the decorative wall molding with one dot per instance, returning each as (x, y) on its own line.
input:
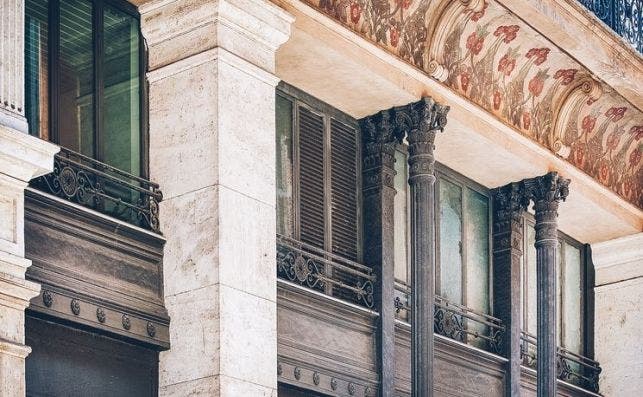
(494, 59)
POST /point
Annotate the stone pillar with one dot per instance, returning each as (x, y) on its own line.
(379, 143)
(212, 149)
(618, 314)
(509, 204)
(22, 158)
(421, 121)
(546, 191)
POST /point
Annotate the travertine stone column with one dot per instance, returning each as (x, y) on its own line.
(618, 314)
(509, 204)
(22, 157)
(421, 121)
(546, 191)
(212, 149)
(379, 141)
(12, 97)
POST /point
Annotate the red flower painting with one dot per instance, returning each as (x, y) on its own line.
(637, 131)
(394, 35)
(635, 157)
(539, 55)
(526, 120)
(464, 80)
(613, 139)
(508, 33)
(615, 113)
(537, 83)
(479, 14)
(566, 75)
(506, 64)
(403, 3)
(496, 100)
(356, 12)
(604, 172)
(588, 124)
(475, 41)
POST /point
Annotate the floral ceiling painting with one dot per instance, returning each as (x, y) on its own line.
(488, 55)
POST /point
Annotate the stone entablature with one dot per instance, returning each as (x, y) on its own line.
(485, 53)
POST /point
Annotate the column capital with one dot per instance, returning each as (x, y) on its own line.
(509, 202)
(379, 138)
(550, 187)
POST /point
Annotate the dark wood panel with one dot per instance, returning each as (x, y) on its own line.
(70, 362)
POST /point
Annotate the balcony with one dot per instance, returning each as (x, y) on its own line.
(623, 17)
(92, 184)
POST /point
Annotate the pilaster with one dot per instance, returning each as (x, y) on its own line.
(509, 204)
(12, 98)
(546, 191)
(212, 149)
(420, 122)
(22, 157)
(379, 141)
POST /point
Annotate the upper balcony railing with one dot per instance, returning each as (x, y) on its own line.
(573, 368)
(625, 17)
(456, 322)
(103, 188)
(324, 272)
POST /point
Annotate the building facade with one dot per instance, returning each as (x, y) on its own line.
(321, 197)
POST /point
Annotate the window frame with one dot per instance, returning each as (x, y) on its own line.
(98, 78)
(586, 288)
(299, 98)
(452, 176)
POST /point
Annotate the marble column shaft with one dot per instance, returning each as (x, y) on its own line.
(509, 207)
(379, 142)
(546, 191)
(420, 122)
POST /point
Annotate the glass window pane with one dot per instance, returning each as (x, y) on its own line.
(531, 281)
(401, 217)
(450, 241)
(572, 299)
(36, 67)
(559, 302)
(477, 249)
(76, 101)
(120, 137)
(284, 167)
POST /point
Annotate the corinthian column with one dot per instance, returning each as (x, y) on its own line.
(509, 203)
(378, 198)
(421, 121)
(546, 191)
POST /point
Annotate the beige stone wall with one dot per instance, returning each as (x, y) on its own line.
(619, 315)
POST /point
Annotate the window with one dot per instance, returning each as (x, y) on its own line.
(570, 291)
(318, 174)
(83, 63)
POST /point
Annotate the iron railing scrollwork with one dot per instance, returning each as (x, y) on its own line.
(103, 188)
(573, 368)
(324, 272)
(457, 322)
(625, 17)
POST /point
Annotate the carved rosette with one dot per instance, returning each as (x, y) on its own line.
(546, 191)
(420, 122)
(379, 138)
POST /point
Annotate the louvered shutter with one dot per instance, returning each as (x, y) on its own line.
(344, 190)
(311, 185)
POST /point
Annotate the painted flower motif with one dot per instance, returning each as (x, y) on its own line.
(475, 41)
(394, 36)
(567, 75)
(637, 132)
(635, 157)
(579, 155)
(526, 120)
(588, 124)
(477, 15)
(403, 3)
(615, 113)
(604, 172)
(496, 100)
(508, 33)
(356, 12)
(539, 55)
(537, 83)
(613, 139)
(506, 64)
(464, 80)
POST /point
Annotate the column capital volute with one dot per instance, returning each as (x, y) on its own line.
(420, 121)
(510, 199)
(379, 133)
(548, 188)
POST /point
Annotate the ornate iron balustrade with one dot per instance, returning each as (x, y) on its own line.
(457, 322)
(325, 272)
(101, 187)
(573, 368)
(625, 17)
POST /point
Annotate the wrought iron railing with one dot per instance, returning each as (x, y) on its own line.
(573, 368)
(625, 17)
(457, 322)
(101, 187)
(324, 272)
